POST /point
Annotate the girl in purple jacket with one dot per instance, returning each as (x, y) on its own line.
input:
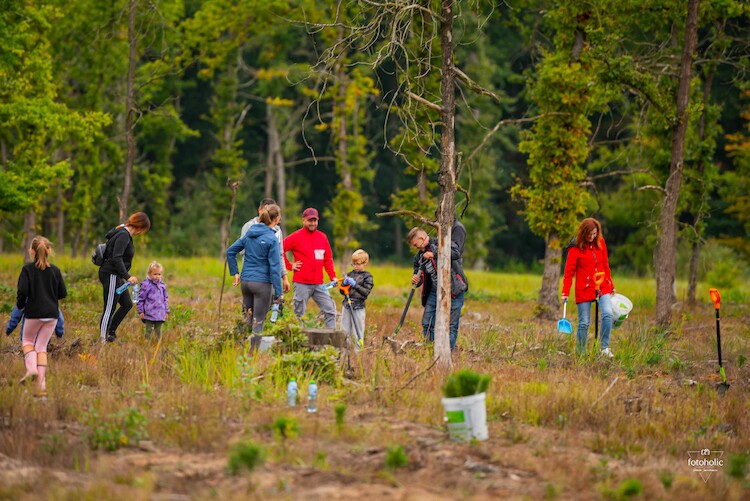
(153, 301)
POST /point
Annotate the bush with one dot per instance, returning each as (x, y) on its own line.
(285, 428)
(322, 366)
(465, 383)
(244, 455)
(116, 430)
(395, 457)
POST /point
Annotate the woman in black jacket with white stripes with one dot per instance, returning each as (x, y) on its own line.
(118, 258)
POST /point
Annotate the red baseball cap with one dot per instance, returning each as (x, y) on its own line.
(310, 213)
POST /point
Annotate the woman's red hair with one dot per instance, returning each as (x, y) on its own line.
(586, 227)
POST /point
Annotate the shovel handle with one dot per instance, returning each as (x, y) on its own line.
(598, 279)
(715, 297)
(565, 306)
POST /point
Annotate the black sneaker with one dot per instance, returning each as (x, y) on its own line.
(111, 337)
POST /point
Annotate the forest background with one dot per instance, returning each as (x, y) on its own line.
(111, 107)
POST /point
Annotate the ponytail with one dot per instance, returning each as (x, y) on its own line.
(269, 214)
(42, 250)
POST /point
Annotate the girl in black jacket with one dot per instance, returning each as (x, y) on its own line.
(40, 286)
(118, 258)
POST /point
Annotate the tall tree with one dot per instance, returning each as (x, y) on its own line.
(665, 264)
(567, 91)
(34, 124)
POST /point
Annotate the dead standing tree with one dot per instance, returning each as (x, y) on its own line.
(387, 36)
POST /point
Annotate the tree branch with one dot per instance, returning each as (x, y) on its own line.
(308, 160)
(617, 173)
(501, 123)
(409, 213)
(424, 101)
(652, 187)
(475, 86)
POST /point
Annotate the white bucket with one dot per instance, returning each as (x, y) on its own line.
(621, 307)
(266, 342)
(466, 417)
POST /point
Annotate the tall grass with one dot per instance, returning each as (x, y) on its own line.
(199, 391)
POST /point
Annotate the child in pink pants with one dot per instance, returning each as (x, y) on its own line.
(40, 286)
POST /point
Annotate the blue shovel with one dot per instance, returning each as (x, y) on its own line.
(563, 326)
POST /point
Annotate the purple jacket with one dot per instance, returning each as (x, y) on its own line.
(153, 300)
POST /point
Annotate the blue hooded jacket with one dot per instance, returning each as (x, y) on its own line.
(17, 316)
(261, 262)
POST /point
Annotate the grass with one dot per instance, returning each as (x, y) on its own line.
(566, 426)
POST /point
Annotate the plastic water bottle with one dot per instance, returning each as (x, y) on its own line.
(123, 287)
(136, 288)
(275, 313)
(291, 393)
(312, 397)
(331, 284)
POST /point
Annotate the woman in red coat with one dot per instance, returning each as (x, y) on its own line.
(585, 259)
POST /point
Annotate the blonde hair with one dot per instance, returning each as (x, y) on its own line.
(155, 265)
(42, 249)
(360, 255)
(414, 233)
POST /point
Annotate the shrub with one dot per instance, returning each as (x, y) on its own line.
(244, 455)
(322, 366)
(395, 457)
(285, 427)
(465, 383)
(340, 411)
(116, 430)
(629, 488)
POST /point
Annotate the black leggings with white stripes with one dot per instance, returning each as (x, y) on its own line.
(112, 315)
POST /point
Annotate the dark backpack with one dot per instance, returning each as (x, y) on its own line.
(97, 257)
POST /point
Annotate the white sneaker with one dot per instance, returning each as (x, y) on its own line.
(607, 353)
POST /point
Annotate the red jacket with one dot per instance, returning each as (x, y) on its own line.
(315, 253)
(583, 264)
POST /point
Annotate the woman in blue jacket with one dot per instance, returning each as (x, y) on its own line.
(261, 270)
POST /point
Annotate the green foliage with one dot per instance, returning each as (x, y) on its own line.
(285, 428)
(116, 430)
(322, 366)
(395, 457)
(738, 465)
(246, 456)
(629, 488)
(464, 383)
(667, 479)
(340, 411)
(288, 332)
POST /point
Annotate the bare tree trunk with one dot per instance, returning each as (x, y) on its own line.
(223, 235)
(75, 240)
(60, 242)
(422, 186)
(447, 181)
(273, 145)
(665, 261)
(29, 231)
(701, 168)
(548, 298)
(280, 182)
(129, 114)
(398, 232)
(693, 280)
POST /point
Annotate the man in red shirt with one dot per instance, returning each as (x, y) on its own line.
(312, 253)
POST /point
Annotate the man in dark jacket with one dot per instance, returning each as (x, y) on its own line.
(425, 271)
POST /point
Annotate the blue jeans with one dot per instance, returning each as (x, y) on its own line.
(428, 318)
(584, 318)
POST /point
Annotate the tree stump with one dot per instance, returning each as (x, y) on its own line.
(317, 338)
